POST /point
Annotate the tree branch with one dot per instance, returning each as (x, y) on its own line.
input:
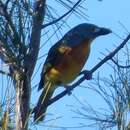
(23, 85)
(108, 57)
(7, 55)
(5, 73)
(64, 15)
(35, 35)
(8, 18)
(120, 66)
(27, 7)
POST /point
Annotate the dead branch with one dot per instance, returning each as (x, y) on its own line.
(83, 78)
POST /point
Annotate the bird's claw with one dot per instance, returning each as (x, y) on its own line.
(68, 90)
(87, 74)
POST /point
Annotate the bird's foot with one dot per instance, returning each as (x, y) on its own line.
(87, 74)
(68, 90)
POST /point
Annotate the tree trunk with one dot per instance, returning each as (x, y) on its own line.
(22, 107)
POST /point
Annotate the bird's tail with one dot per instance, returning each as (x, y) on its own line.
(40, 109)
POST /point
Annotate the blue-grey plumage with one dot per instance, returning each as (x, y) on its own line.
(83, 31)
(64, 62)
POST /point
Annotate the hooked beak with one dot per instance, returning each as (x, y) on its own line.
(104, 31)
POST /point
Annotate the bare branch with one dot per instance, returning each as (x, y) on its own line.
(5, 73)
(6, 54)
(8, 18)
(6, 3)
(35, 36)
(120, 66)
(64, 15)
(111, 55)
(27, 7)
(108, 57)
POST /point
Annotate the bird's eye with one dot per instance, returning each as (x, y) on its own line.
(96, 30)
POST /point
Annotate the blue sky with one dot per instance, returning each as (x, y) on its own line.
(107, 13)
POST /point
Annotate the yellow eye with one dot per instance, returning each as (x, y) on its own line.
(96, 30)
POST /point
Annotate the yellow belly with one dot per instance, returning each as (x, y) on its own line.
(70, 66)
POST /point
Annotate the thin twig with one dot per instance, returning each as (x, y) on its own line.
(5, 73)
(70, 88)
(120, 66)
(64, 15)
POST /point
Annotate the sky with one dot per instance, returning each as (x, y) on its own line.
(105, 13)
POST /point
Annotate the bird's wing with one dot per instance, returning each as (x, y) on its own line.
(57, 51)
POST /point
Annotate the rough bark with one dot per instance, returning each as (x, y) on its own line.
(35, 35)
(22, 103)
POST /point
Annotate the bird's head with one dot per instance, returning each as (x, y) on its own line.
(92, 31)
(84, 31)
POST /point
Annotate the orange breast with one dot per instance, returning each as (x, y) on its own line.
(66, 70)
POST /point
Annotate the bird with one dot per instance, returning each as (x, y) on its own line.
(65, 61)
